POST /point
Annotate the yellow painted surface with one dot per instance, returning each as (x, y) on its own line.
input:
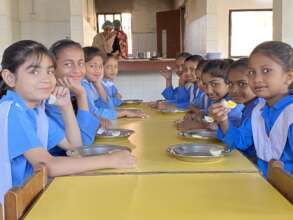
(222, 196)
(154, 135)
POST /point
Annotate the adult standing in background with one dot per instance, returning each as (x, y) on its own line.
(120, 46)
(104, 40)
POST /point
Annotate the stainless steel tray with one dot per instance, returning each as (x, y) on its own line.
(195, 152)
(95, 149)
(113, 133)
(172, 110)
(132, 101)
(200, 134)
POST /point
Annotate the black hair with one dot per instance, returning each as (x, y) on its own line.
(109, 56)
(201, 64)
(217, 68)
(229, 61)
(241, 63)
(17, 54)
(183, 55)
(278, 51)
(91, 52)
(59, 45)
(194, 58)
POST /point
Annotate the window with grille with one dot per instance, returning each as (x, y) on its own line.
(125, 19)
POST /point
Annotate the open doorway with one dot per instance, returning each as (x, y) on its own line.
(169, 33)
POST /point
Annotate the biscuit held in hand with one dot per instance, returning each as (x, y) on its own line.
(52, 100)
(229, 104)
(62, 97)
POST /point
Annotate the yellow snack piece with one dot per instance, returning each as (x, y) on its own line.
(230, 104)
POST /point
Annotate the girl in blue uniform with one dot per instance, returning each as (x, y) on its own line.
(110, 73)
(170, 92)
(188, 85)
(240, 92)
(26, 132)
(99, 103)
(70, 69)
(270, 126)
(215, 83)
(200, 100)
(185, 92)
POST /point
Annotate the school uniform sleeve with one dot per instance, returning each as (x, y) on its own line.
(115, 100)
(106, 113)
(54, 114)
(240, 138)
(287, 156)
(182, 96)
(105, 109)
(22, 137)
(183, 105)
(22, 134)
(235, 115)
(100, 110)
(56, 133)
(109, 104)
(88, 125)
(168, 93)
(199, 101)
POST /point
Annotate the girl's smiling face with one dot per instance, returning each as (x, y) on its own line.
(34, 81)
(215, 87)
(239, 89)
(179, 64)
(70, 63)
(111, 68)
(267, 78)
(94, 69)
(189, 70)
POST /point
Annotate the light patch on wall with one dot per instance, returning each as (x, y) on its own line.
(248, 29)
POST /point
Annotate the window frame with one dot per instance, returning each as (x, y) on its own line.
(230, 26)
(107, 13)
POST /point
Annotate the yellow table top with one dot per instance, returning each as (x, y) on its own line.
(164, 196)
(154, 135)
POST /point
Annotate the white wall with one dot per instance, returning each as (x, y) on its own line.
(195, 39)
(144, 23)
(82, 21)
(287, 15)
(207, 23)
(283, 16)
(221, 18)
(44, 21)
(9, 23)
(142, 85)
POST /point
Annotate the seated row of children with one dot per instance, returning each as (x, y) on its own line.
(261, 123)
(55, 100)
